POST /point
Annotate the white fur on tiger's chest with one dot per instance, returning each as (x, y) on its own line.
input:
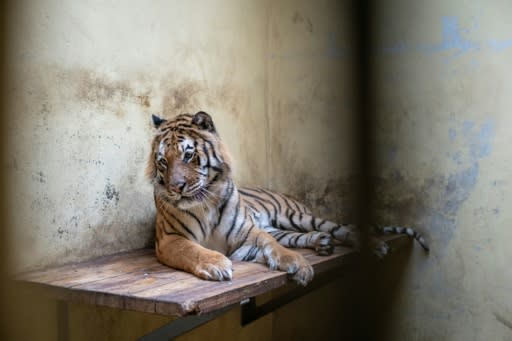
(213, 239)
(216, 238)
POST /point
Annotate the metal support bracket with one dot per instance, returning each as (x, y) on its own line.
(251, 312)
(182, 325)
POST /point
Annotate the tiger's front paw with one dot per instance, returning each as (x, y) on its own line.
(216, 267)
(293, 264)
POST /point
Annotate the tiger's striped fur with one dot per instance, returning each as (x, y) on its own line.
(204, 221)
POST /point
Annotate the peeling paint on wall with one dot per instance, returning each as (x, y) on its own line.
(455, 38)
(442, 106)
(434, 204)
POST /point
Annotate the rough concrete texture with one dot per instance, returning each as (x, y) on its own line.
(85, 77)
(443, 105)
(311, 104)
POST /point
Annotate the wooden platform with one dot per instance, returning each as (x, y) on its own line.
(136, 281)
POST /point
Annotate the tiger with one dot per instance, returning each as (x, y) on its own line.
(204, 222)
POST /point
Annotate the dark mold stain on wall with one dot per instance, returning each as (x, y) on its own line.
(106, 94)
(300, 19)
(189, 96)
(39, 177)
(95, 88)
(109, 198)
(332, 199)
(144, 100)
(181, 98)
(99, 90)
(111, 193)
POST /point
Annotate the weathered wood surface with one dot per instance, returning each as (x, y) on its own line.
(134, 280)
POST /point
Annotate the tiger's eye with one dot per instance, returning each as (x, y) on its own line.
(162, 163)
(187, 156)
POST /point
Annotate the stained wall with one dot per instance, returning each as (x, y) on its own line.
(443, 139)
(84, 78)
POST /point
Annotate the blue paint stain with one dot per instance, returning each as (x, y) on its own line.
(461, 183)
(500, 45)
(483, 147)
(459, 187)
(477, 141)
(457, 158)
(453, 38)
(441, 226)
(467, 126)
(452, 134)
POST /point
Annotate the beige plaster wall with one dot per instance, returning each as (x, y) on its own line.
(443, 105)
(311, 104)
(85, 76)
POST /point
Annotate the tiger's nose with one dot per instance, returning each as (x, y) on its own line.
(179, 186)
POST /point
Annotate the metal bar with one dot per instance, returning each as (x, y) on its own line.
(182, 325)
(250, 312)
(62, 321)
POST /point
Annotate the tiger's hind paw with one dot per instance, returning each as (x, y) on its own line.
(380, 248)
(324, 244)
(304, 275)
(293, 263)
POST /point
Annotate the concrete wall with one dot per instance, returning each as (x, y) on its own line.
(443, 105)
(84, 78)
(311, 103)
(276, 75)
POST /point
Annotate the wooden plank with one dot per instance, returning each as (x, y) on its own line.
(107, 266)
(135, 280)
(207, 298)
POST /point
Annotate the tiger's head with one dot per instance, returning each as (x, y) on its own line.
(189, 163)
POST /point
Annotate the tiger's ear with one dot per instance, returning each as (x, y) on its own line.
(157, 121)
(203, 121)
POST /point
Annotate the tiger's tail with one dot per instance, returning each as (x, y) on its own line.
(403, 230)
